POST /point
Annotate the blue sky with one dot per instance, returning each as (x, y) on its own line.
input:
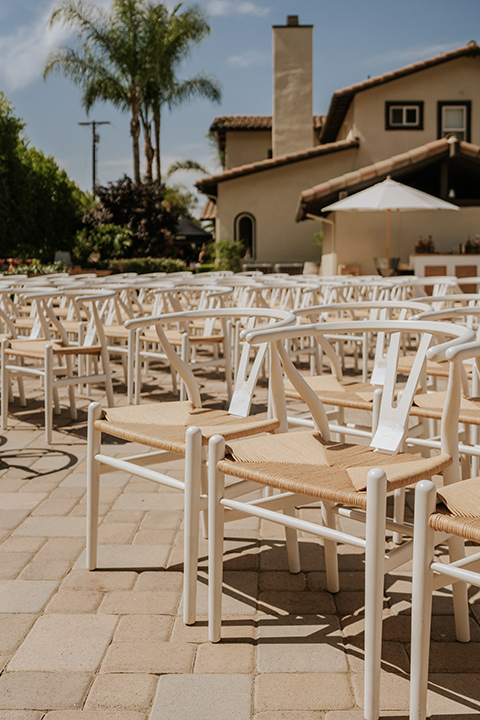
(353, 39)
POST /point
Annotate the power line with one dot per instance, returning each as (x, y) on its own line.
(95, 140)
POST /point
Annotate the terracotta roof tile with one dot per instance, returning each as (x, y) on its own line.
(208, 185)
(342, 98)
(248, 123)
(252, 122)
(313, 199)
(209, 211)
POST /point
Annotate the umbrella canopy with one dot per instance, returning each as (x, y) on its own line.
(390, 195)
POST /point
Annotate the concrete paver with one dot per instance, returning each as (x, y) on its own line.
(223, 697)
(121, 692)
(65, 642)
(43, 690)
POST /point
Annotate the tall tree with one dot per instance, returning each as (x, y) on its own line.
(40, 207)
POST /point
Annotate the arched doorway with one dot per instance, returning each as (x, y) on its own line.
(245, 233)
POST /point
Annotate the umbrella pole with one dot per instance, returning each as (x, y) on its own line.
(387, 273)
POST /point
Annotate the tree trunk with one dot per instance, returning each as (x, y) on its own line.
(149, 152)
(156, 131)
(135, 133)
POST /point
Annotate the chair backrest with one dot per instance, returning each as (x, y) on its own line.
(361, 311)
(231, 320)
(86, 308)
(435, 339)
(443, 302)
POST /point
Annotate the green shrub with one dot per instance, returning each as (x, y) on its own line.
(146, 265)
(205, 267)
(101, 243)
(228, 255)
(35, 267)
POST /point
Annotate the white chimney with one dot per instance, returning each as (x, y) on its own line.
(292, 128)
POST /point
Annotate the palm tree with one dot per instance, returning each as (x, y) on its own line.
(106, 64)
(129, 56)
(169, 38)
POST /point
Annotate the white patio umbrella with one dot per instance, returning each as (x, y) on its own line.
(390, 195)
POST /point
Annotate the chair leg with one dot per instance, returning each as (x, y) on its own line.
(21, 388)
(216, 491)
(108, 377)
(94, 440)
(49, 392)
(291, 541)
(398, 512)
(186, 357)
(330, 549)
(131, 354)
(423, 546)
(374, 580)
(71, 389)
(193, 472)
(4, 385)
(456, 551)
(204, 491)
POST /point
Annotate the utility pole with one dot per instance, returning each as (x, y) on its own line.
(95, 139)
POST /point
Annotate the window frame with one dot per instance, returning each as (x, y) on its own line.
(404, 105)
(466, 105)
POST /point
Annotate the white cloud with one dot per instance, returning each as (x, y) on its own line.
(248, 58)
(231, 7)
(24, 50)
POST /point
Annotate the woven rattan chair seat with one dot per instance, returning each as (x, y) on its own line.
(430, 405)
(304, 463)
(174, 337)
(116, 331)
(71, 326)
(459, 510)
(24, 323)
(435, 369)
(163, 425)
(343, 393)
(35, 349)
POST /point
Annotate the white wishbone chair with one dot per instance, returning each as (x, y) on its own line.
(180, 428)
(54, 344)
(350, 480)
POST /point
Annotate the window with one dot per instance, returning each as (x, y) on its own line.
(454, 119)
(245, 233)
(401, 115)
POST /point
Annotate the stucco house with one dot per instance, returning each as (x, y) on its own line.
(419, 124)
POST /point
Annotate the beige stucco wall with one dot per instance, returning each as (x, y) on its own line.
(456, 80)
(360, 236)
(246, 147)
(271, 197)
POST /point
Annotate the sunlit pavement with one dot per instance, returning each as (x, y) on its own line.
(111, 644)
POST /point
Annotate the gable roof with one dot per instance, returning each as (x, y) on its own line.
(341, 99)
(208, 185)
(186, 229)
(314, 199)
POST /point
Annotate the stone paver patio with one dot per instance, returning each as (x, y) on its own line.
(111, 644)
